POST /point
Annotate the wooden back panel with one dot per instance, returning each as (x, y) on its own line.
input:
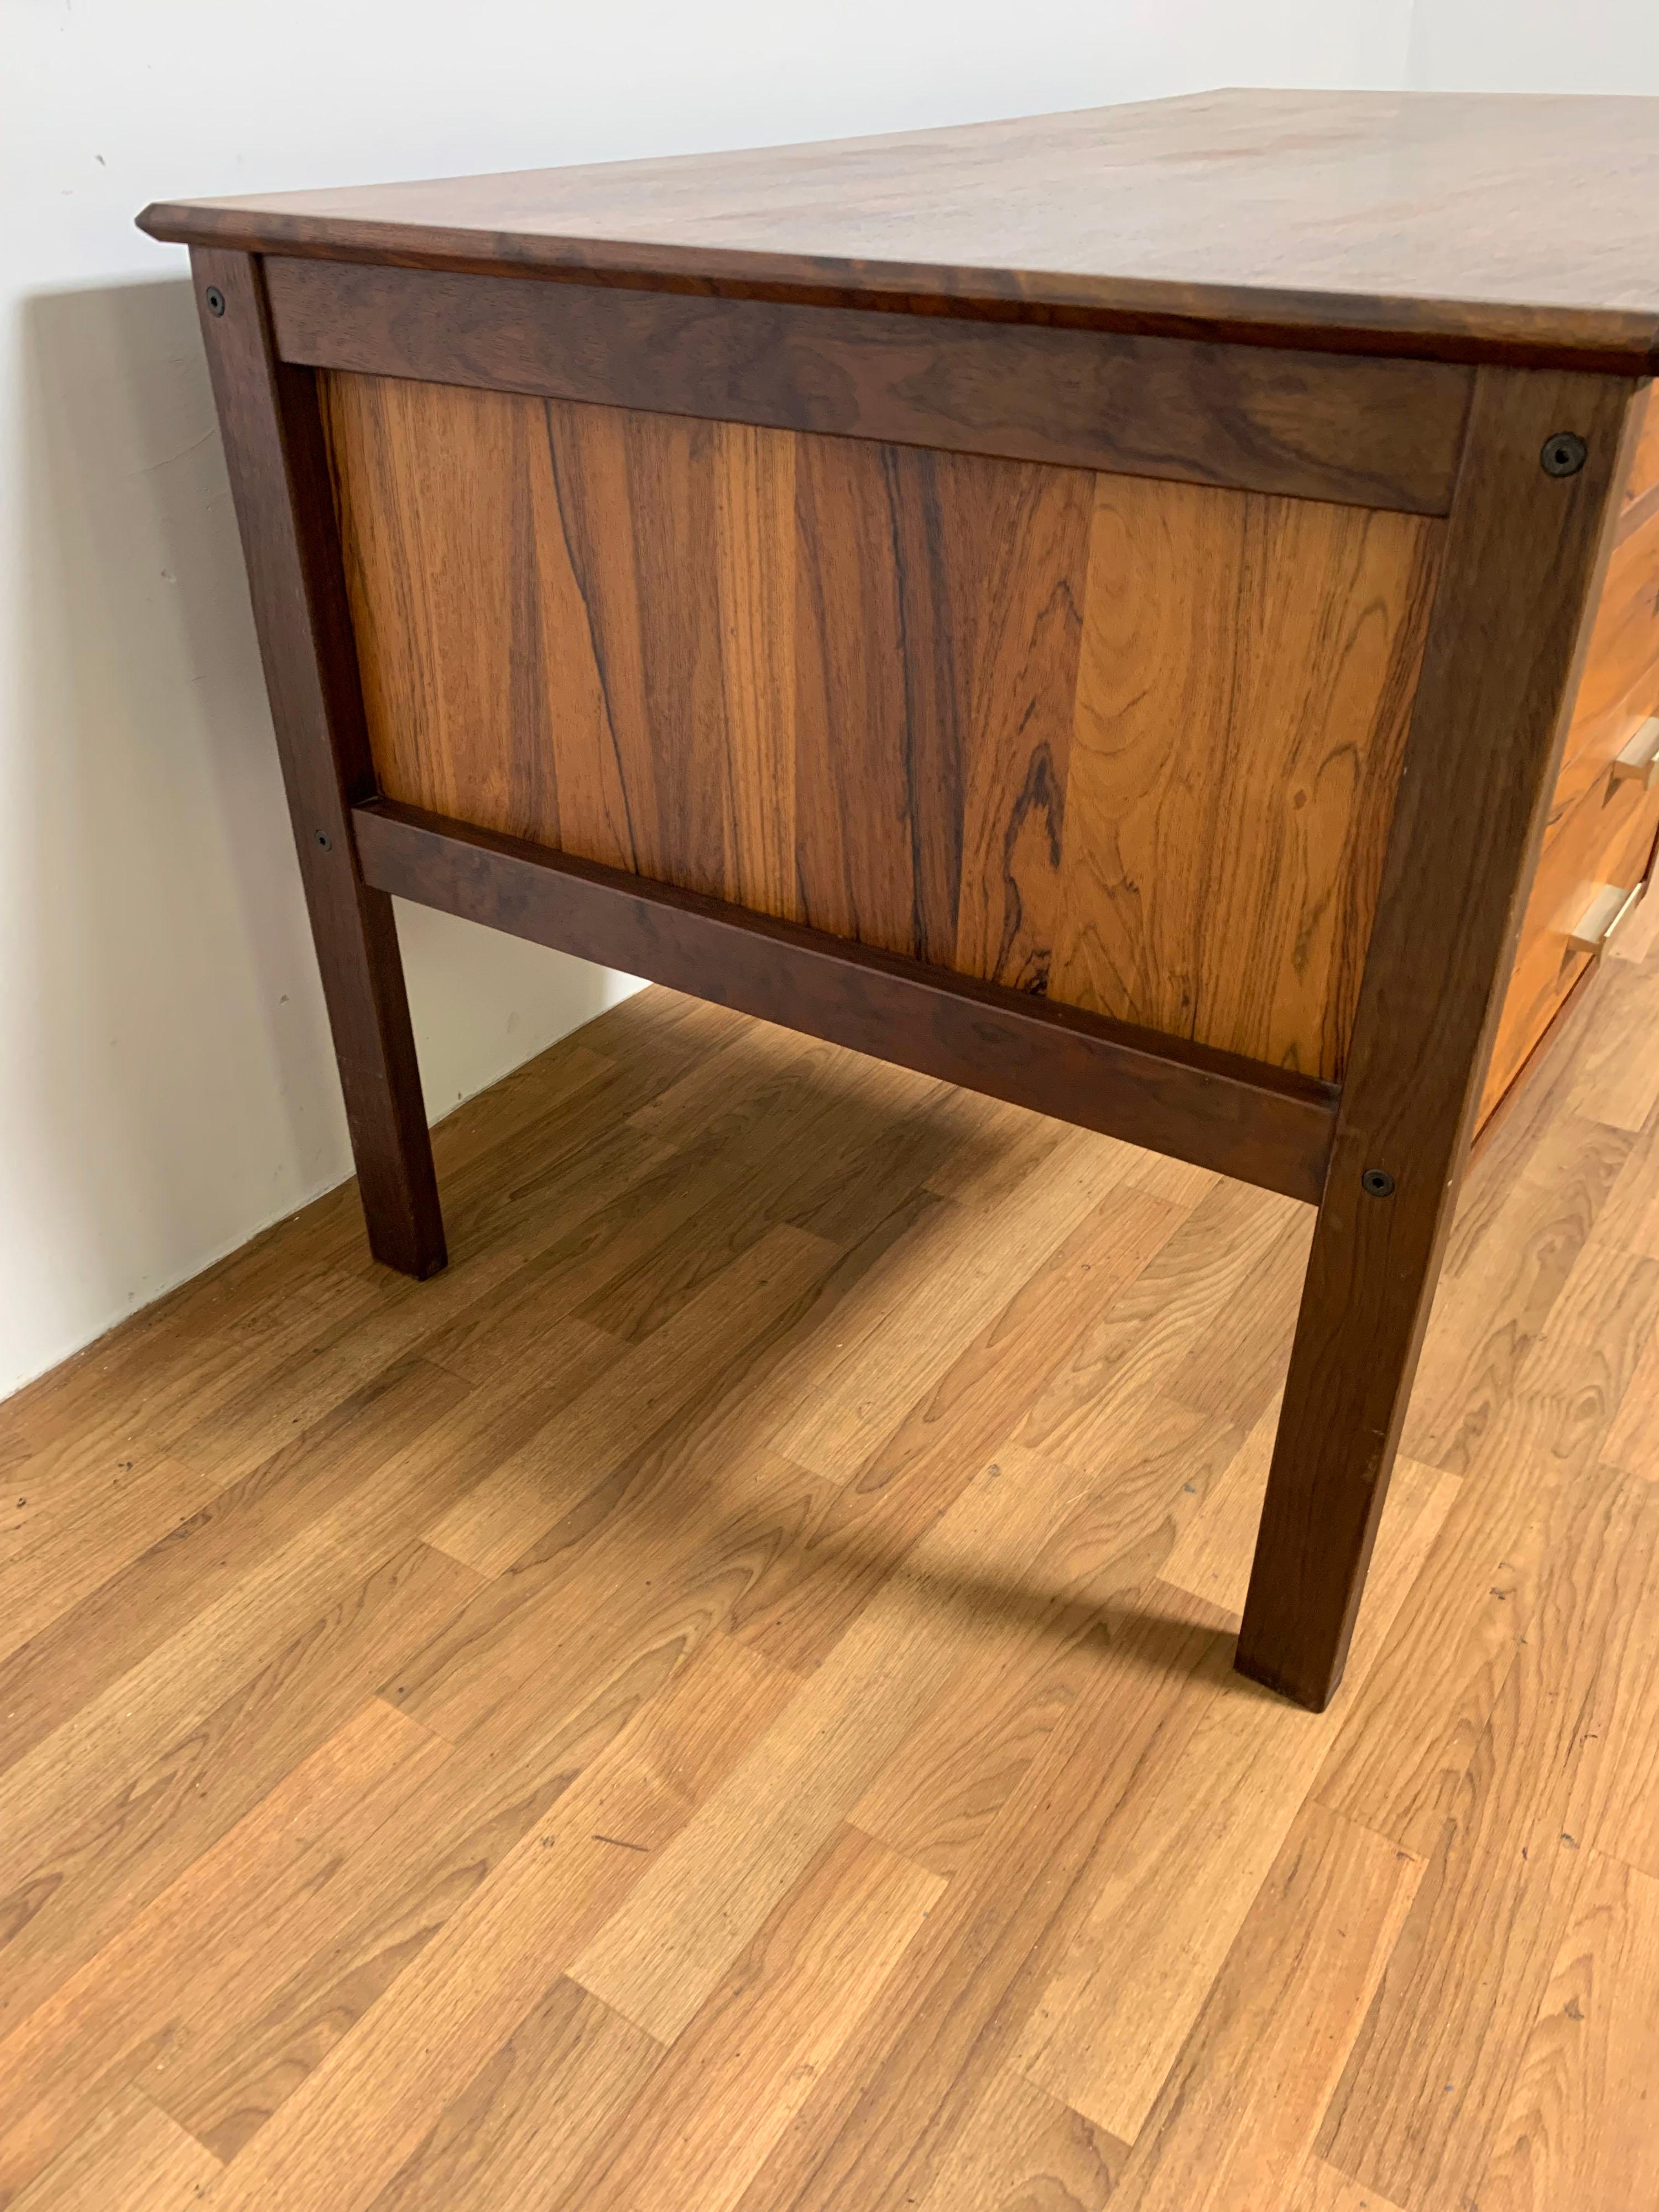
(1131, 743)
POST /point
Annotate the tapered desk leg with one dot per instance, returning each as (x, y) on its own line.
(278, 465)
(1524, 551)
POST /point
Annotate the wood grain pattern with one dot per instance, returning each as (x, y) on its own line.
(1580, 2126)
(1617, 1063)
(1174, 1894)
(1563, 1027)
(221, 1699)
(276, 453)
(347, 1941)
(1019, 2150)
(132, 2154)
(937, 647)
(1247, 676)
(1320, 2188)
(134, 2009)
(798, 1610)
(1606, 838)
(657, 1965)
(1619, 687)
(1238, 2114)
(883, 2122)
(134, 2012)
(1523, 558)
(1262, 1124)
(1401, 1765)
(565, 1874)
(340, 1896)
(744, 2066)
(905, 697)
(1526, 1247)
(524, 1495)
(1599, 831)
(1508, 1866)
(532, 2116)
(1466, 227)
(1374, 432)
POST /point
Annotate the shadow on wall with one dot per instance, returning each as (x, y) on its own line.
(176, 1089)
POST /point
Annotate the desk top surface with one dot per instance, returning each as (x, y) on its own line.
(1524, 227)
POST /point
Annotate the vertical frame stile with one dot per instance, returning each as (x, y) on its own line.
(277, 460)
(1524, 553)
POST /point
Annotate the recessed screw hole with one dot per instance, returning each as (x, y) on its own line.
(326, 841)
(215, 300)
(1565, 454)
(1376, 1183)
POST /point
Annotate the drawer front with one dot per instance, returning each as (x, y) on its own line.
(1605, 841)
(1619, 687)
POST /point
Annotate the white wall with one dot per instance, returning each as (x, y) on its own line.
(1532, 45)
(166, 1082)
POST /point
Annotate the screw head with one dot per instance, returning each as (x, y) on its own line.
(326, 841)
(1565, 454)
(215, 300)
(1376, 1183)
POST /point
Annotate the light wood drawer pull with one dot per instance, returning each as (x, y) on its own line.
(1639, 762)
(1602, 916)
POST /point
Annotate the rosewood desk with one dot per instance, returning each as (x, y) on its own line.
(1151, 613)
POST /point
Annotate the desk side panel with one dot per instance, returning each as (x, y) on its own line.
(1130, 743)
(1602, 825)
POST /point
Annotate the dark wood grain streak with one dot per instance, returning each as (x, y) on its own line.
(1256, 1123)
(870, 843)
(937, 623)
(276, 453)
(1522, 561)
(1465, 227)
(1371, 433)
(1130, 743)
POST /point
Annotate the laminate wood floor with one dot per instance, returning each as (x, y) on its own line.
(722, 1701)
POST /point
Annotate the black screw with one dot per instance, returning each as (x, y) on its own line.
(1565, 454)
(1376, 1183)
(215, 300)
(326, 841)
